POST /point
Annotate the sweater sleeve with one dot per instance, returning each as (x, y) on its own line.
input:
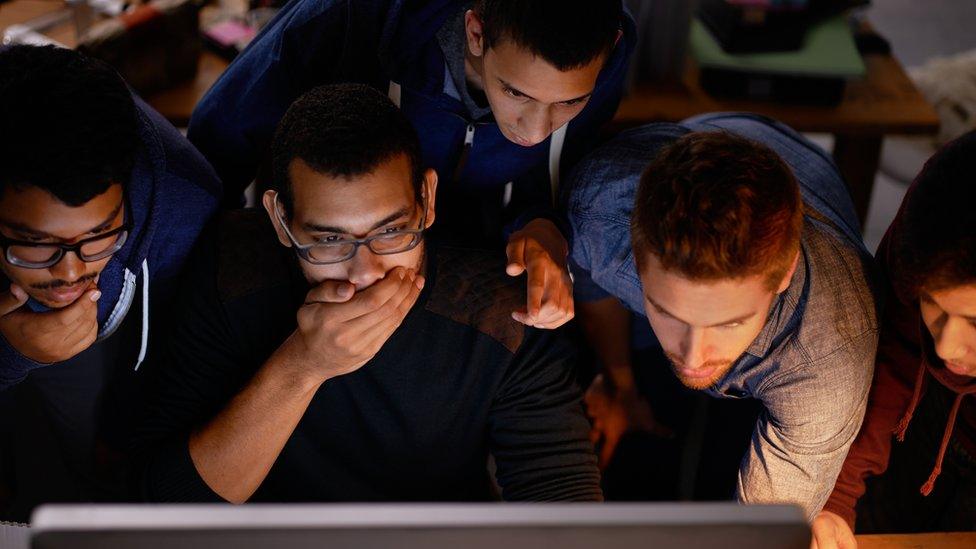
(13, 365)
(538, 433)
(898, 361)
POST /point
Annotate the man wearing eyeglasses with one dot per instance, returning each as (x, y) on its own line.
(330, 352)
(100, 202)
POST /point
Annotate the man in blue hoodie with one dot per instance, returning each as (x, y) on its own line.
(505, 95)
(100, 202)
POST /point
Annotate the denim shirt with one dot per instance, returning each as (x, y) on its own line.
(812, 362)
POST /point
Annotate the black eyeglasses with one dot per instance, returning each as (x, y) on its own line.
(34, 255)
(327, 253)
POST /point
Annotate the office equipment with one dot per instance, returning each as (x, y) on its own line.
(14, 535)
(437, 526)
(816, 74)
(751, 26)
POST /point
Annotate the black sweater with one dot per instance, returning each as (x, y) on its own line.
(459, 380)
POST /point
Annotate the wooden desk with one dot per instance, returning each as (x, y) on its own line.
(176, 104)
(956, 540)
(884, 102)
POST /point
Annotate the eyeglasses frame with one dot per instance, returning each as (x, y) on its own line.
(6, 243)
(302, 250)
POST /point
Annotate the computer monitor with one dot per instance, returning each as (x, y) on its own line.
(423, 526)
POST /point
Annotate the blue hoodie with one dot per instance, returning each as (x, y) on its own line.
(392, 45)
(171, 195)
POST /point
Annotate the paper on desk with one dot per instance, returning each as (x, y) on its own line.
(14, 536)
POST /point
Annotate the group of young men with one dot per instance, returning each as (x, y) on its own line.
(362, 335)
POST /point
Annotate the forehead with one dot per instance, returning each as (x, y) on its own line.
(350, 202)
(534, 76)
(38, 210)
(703, 302)
(957, 300)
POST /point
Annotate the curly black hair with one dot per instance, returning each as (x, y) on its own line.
(68, 123)
(343, 130)
(567, 33)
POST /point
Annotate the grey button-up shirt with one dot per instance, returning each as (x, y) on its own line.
(812, 363)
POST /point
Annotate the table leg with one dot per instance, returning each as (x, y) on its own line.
(857, 159)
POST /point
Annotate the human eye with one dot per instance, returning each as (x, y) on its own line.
(512, 92)
(328, 239)
(574, 102)
(731, 325)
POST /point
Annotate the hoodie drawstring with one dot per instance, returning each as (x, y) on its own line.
(556, 143)
(145, 315)
(902, 427)
(916, 396)
(930, 483)
(394, 93)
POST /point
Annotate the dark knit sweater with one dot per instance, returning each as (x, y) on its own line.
(459, 380)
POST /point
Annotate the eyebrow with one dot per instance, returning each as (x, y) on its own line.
(316, 228)
(736, 320)
(520, 92)
(24, 229)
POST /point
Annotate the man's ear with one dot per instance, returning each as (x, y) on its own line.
(430, 195)
(785, 283)
(268, 201)
(474, 32)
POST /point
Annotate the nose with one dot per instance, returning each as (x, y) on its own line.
(536, 124)
(365, 268)
(69, 269)
(950, 343)
(693, 348)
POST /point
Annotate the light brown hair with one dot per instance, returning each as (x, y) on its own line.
(713, 205)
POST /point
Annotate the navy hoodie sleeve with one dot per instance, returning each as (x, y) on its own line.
(190, 193)
(308, 43)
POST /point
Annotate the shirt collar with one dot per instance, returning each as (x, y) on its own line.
(782, 310)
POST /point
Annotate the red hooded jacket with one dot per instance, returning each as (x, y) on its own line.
(905, 364)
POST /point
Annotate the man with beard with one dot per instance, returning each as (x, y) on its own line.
(328, 351)
(735, 240)
(101, 201)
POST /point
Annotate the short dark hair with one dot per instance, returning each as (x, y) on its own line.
(566, 33)
(933, 242)
(714, 205)
(68, 123)
(343, 130)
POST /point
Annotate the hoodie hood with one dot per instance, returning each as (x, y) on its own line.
(140, 197)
